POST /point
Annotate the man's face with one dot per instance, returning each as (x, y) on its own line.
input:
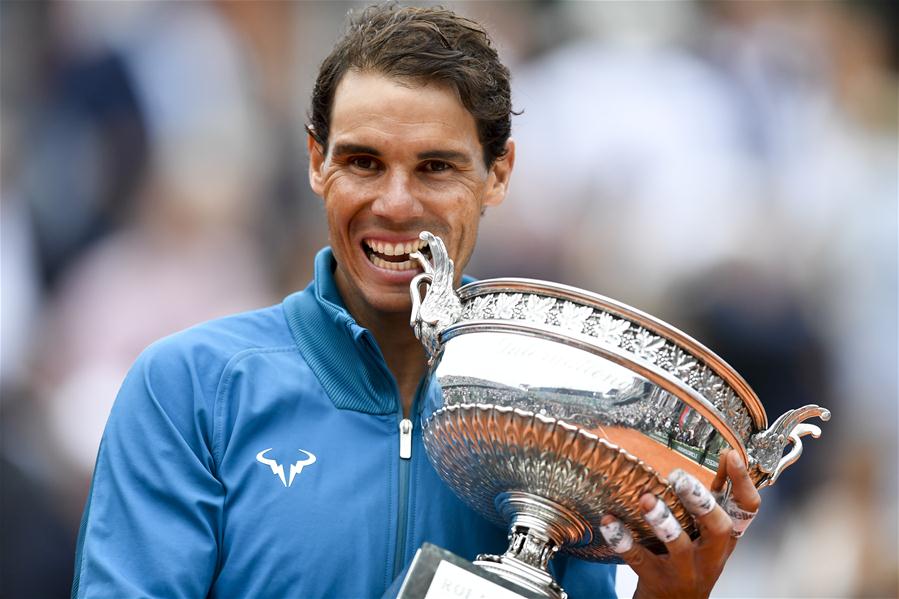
(402, 158)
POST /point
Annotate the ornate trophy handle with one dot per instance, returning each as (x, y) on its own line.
(441, 306)
(766, 448)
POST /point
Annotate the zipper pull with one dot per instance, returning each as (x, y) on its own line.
(405, 438)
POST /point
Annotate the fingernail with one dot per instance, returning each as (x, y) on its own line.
(616, 534)
(663, 522)
(698, 500)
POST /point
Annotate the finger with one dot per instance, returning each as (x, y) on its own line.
(663, 523)
(743, 504)
(743, 490)
(715, 525)
(720, 479)
(621, 541)
(741, 518)
(696, 498)
(616, 534)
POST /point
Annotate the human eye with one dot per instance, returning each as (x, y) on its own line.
(364, 163)
(436, 166)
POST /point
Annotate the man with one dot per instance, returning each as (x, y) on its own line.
(275, 453)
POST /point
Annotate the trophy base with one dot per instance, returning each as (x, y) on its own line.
(538, 528)
(436, 573)
(529, 577)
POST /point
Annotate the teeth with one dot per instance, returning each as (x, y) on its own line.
(405, 265)
(398, 249)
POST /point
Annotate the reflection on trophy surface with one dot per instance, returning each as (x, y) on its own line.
(557, 406)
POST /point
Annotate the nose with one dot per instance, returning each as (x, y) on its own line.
(396, 199)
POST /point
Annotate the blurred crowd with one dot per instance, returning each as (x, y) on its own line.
(730, 167)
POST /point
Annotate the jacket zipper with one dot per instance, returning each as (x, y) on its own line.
(407, 432)
(403, 507)
(406, 439)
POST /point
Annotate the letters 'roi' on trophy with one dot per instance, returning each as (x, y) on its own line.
(558, 405)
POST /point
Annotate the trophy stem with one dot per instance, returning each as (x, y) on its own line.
(538, 528)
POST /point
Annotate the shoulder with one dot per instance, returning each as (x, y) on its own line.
(198, 358)
(176, 380)
(218, 341)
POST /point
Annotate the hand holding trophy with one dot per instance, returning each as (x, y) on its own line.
(560, 411)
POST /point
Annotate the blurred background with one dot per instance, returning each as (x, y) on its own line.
(730, 167)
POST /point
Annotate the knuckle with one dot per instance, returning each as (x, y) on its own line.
(720, 527)
(753, 502)
(679, 550)
(633, 557)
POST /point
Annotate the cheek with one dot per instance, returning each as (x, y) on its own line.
(343, 199)
(335, 184)
(464, 212)
(466, 217)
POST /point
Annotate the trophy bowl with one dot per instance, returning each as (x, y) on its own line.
(557, 405)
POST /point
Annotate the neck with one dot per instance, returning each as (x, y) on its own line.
(404, 354)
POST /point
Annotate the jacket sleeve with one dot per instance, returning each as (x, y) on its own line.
(152, 520)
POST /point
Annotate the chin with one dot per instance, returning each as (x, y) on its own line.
(393, 303)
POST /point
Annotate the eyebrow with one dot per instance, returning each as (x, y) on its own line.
(448, 155)
(343, 149)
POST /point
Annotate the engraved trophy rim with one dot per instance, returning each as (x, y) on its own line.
(727, 373)
(658, 326)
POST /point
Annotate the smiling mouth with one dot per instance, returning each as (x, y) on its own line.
(395, 256)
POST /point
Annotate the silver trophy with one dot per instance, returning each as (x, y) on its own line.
(557, 406)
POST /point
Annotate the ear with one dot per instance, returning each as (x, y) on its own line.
(316, 164)
(499, 176)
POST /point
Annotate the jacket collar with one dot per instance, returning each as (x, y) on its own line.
(343, 356)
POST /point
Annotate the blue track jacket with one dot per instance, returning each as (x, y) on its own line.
(205, 484)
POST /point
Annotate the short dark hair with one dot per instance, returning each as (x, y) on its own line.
(421, 44)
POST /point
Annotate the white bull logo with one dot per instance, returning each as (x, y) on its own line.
(278, 469)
